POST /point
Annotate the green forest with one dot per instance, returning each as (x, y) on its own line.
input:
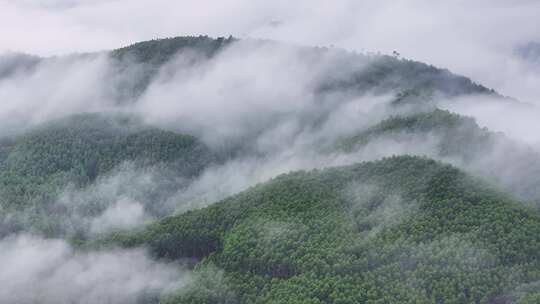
(309, 205)
(400, 230)
(38, 164)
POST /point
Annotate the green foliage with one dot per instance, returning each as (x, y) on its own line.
(457, 135)
(209, 286)
(444, 135)
(531, 298)
(349, 72)
(383, 74)
(399, 230)
(90, 145)
(75, 151)
(160, 51)
(142, 61)
(439, 236)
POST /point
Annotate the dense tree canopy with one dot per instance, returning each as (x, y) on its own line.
(37, 165)
(400, 230)
(458, 139)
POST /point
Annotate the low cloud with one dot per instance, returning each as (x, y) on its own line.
(517, 120)
(52, 89)
(458, 35)
(125, 198)
(124, 214)
(36, 270)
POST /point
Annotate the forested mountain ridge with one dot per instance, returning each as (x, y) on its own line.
(92, 141)
(160, 51)
(459, 140)
(403, 229)
(38, 165)
(382, 73)
(354, 72)
(269, 173)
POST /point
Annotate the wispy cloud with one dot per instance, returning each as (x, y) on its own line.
(36, 270)
(477, 39)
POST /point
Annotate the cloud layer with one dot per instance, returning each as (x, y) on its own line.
(263, 96)
(36, 270)
(477, 39)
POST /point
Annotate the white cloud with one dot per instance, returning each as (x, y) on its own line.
(123, 214)
(519, 121)
(476, 39)
(36, 270)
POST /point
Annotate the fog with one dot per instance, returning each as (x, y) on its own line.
(264, 97)
(482, 36)
(373, 209)
(515, 119)
(36, 270)
(265, 105)
(253, 89)
(51, 89)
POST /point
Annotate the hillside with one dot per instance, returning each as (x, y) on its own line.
(134, 67)
(350, 72)
(253, 171)
(39, 164)
(160, 51)
(399, 230)
(459, 140)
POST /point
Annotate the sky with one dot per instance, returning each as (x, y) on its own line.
(473, 38)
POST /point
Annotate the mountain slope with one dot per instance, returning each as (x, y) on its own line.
(458, 139)
(134, 67)
(349, 72)
(160, 51)
(36, 166)
(399, 230)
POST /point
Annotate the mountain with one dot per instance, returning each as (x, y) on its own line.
(268, 172)
(38, 165)
(350, 72)
(399, 230)
(459, 140)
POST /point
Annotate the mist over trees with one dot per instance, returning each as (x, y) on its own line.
(251, 171)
